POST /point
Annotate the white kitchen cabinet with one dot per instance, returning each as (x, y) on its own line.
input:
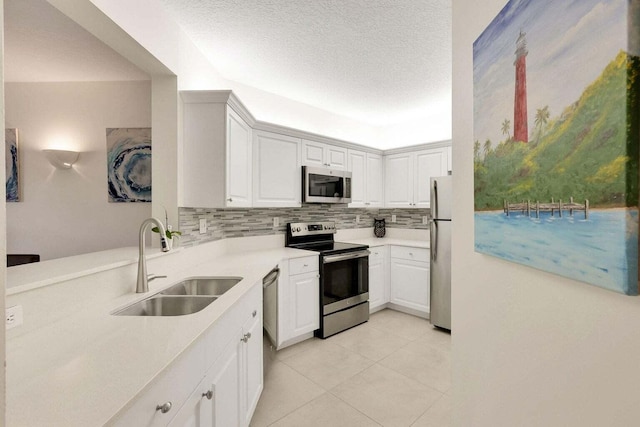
(251, 372)
(277, 176)
(409, 277)
(216, 152)
(378, 278)
(170, 391)
(217, 382)
(407, 177)
(366, 180)
(323, 155)
(298, 302)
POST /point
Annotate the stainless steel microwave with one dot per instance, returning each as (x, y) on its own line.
(322, 185)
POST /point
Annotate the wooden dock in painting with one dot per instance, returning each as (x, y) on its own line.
(526, 208)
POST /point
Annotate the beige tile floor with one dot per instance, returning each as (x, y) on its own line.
(394, 370)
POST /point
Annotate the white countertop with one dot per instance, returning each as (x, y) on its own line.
(85, 368)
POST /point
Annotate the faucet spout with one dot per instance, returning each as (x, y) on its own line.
(142, 284)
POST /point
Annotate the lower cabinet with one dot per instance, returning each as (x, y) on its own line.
(210, 384)
(378, 278)
(410, 277)
(297, 312)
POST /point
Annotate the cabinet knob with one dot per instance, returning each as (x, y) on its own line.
(246, 337)
(229, 199)
(164, 408)
(208, 394)
(305, 265)
(254, 314)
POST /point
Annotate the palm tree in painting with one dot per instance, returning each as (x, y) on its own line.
(487, 148)
(542, 117)
(476, 150)
(506, 128)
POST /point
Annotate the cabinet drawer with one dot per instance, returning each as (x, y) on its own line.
(377, 255)
(303, 265)
(409, 253)
(174, 386)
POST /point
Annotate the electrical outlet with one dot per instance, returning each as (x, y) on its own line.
(13, 316)
(425, 220)
(357, 219)
(203, 226)
(276, 221)
(393, 218)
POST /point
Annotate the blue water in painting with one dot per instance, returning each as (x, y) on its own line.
(602, 250)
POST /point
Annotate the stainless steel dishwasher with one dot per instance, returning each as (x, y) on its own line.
(270, 305)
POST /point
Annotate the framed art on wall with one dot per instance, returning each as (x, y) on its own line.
(129, 164)
(556, 136)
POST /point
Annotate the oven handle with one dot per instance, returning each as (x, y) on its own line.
(343, 257)
(271, 278)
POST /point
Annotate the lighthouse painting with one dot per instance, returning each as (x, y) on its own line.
(556, 139)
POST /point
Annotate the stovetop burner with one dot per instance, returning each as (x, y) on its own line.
(317, 236)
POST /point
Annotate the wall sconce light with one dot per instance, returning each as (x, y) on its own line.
(61, 159)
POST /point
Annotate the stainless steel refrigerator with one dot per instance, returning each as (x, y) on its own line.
(441, 197)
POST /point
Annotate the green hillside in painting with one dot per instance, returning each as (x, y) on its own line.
(589, 151)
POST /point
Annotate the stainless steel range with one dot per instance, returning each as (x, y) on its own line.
(344, 275)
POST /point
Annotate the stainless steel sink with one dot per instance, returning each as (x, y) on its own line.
(212, 286)
(160, 305)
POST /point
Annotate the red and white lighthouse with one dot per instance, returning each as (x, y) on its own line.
(520, 128)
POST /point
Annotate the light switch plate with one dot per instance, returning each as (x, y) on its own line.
(203, 226)
(425, 220)
(393, 218)
(357, 219)
(276, 221)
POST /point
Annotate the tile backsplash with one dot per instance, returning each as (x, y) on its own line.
(226, 223)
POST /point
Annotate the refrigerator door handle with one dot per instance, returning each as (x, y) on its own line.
(434, 240)
(435, 199)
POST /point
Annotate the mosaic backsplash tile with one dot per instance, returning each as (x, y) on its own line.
(227, 223)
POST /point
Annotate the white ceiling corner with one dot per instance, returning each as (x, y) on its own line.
(381, 62)
(44, 45)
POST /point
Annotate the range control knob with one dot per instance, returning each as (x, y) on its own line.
(298, 229)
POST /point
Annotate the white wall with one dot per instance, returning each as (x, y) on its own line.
(66, 212)
(529, 348)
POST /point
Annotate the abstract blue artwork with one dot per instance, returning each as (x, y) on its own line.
(11, 164)
(129, 164)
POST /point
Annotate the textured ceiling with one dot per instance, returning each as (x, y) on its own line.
(377, 61)
(44, 45)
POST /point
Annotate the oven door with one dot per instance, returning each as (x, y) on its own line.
(344, 280)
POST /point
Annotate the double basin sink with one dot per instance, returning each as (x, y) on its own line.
(186, 297)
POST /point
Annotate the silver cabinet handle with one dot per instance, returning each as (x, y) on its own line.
(255, 312)
(164, 408)
(229, 199)
(208, 394)
(246, 337)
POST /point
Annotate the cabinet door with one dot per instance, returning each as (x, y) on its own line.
(305, 292)
(378, 284)
(238, 185)
(223, 380)
(429, 163)
(399, 180)
(336, 157)
(358, 168)
(410, 284)
(313, 154)
(277, 177)
(449, 159)
(374, 181)
(197, 410)
(251, 365)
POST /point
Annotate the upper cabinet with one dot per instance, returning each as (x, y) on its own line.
(408, 176)
(277, 175)
(323, 155)
(216, 152)
(366, 179)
